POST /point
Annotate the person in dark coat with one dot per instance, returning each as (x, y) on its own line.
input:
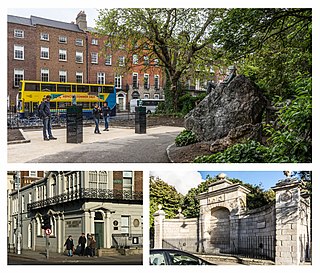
(96, 113)
(82, 242)
(44, 112)
(106, 114)
(69, 245)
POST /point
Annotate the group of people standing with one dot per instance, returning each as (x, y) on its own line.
(98, 113)
(82, 249)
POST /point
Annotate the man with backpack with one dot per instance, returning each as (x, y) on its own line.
(45, 114)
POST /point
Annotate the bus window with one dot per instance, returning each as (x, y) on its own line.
(48, 87)
(31, 86)
(107, 89)
(96, 89)
(63, 105)
(64, 88)
(82, 88)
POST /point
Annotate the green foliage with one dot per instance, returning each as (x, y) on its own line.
(185, 138)
(163, 194)
(293, 135)
(187, 102)
(248, 152)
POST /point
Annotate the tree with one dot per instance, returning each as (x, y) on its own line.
(163, 194)
(178, 39)
(272, 46)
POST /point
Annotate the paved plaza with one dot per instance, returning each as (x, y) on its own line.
(119, 145)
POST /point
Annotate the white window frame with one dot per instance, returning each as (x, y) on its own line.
(18, 72)
(18, 48)
(135, 74)
(156, 82)
(108, 60)
(78, 75)
(44, 36)
(63, 52)
(44, 53)
(118, 81)
(18, 33)
(63, 39)
(79, 55)
(63, 73)
(135, 59)
(121, 60)
(94, 41)
(101, 78)
(79, 42)
(94, 57)
(146, 76)
(44, 71)
(125, 224)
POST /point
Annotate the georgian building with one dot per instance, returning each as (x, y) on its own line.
(49, 50)
(107, 204)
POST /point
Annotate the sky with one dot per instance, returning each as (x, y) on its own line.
(183, 181)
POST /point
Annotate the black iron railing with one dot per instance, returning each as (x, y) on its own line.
(101, 194)
(260, 247)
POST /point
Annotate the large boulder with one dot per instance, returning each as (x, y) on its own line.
(230, 108)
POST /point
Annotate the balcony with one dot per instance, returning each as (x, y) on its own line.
(90, 195)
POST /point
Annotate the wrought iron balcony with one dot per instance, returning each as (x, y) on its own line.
(90, 194)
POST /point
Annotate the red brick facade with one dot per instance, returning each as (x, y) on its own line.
(93, 69)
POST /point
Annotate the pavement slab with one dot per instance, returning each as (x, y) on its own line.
(118, 145)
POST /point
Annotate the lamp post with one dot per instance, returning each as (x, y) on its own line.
(18, 220)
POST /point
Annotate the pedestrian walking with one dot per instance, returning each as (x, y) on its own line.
(106, 114)
(45, 114)
(82, 243)
(96, 113)
(69, 246)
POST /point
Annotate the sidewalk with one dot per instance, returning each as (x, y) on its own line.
(121, 145)
(36, 257)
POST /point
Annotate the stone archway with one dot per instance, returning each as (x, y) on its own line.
(219, 229)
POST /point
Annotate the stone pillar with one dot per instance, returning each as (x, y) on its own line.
(108, 231)
(159, 217)
(92, 214)
(287, 222)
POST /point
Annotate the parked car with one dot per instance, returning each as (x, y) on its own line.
(174, 257)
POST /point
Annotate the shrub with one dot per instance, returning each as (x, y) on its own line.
(185, 138)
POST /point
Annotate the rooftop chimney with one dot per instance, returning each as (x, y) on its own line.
(81, 20)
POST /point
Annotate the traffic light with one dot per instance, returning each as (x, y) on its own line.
(46, 222)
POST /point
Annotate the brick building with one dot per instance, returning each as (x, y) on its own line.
(48, 50)
(107, 204)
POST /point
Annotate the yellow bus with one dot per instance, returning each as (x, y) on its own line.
(63, 94)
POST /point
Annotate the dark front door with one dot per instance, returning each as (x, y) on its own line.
(99, 232)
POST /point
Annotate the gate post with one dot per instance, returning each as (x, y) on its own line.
(159, 217)
(287, 221)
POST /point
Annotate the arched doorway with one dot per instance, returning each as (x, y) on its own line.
(121, 101)
(220, 229)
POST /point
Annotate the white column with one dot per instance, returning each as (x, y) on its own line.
(108, 232)
(159, 216)
(92, 213)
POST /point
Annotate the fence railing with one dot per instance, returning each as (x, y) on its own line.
(260, 247)
(85, 193)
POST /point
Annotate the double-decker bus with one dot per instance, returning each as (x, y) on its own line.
(63, 94)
